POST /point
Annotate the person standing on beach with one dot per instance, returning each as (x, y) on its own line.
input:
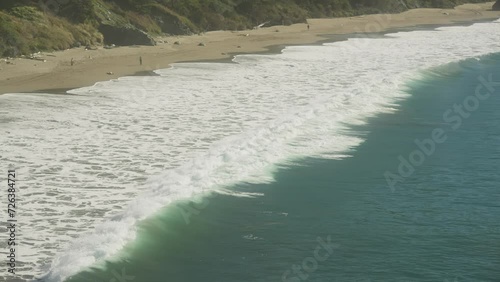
(72, 62)
(140, 60)
(308, 27)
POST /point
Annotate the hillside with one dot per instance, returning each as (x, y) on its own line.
(28, 26)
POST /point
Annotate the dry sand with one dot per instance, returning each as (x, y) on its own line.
(27, 75)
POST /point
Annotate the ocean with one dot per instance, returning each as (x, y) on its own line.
(370, 159)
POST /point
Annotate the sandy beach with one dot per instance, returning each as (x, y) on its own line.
(53, 70)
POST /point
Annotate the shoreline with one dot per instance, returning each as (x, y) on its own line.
(276, 49)
(56, 75)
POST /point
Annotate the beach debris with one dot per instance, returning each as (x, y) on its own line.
(36, 54)
(277, 30)
(260, 25)
(37, 57)
(109, 73)
(446, 13)
(238, 46)
(177, 43)
(88, 47)
(246, 34)
(223, 54)
(109, 46)
(202, 44)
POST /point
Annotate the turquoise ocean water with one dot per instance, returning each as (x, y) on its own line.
(439, 223)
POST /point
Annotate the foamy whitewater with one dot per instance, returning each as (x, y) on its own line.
(95, 162)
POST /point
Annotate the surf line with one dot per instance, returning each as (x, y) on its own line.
(454, 118)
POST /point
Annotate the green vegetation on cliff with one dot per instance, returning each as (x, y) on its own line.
(27, 26)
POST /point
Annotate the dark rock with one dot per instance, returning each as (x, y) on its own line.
(496, 6)
(170, 23)
(125, 36)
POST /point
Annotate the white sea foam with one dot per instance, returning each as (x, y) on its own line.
(198, 127)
